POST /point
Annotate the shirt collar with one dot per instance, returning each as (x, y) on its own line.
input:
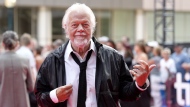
(69, 49)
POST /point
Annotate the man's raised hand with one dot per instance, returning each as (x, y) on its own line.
(141, 72)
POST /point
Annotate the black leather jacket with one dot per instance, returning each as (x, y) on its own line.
(113, 80)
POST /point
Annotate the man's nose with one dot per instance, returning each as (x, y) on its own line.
(80, 28)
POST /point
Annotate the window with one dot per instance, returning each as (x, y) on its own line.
(25, 20)
(3, 20)
(57, 31)
(103, 25)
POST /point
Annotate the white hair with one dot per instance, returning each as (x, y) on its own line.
(77, 7)
(166, 50)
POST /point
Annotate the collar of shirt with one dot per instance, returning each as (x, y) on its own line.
(69, 49)
(24, 47)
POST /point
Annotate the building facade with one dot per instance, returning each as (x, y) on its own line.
(115, 19)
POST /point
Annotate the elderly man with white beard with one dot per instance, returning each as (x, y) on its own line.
(85, 73)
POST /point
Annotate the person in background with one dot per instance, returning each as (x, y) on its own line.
(47, 49)
(107, 41)
(102, 39)
(149, 48)
(34, 44)
(38, 56)
(57, 43)
(156, 60)
(128, 57)
(111, 43)
(186, 66)
(126, 52)
(180, 58)
(155, 77)
(1, 49)
(167, 68)
(15, 74)
(121, 48)
(126, 42)
(187, 74)
(25, 51)
(140, 54)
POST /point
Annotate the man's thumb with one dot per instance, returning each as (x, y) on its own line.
(151, 67)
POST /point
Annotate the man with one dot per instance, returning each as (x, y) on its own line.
(83, 72)
(180, 58)
(25, 51)
(15, 74)
(57, 43)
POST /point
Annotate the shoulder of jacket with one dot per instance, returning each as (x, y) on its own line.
(110, 51)
(49, 58)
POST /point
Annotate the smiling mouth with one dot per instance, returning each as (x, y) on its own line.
(80, 36)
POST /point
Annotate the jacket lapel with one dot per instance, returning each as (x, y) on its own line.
(98, 68)
(98, 77)
(61, 80)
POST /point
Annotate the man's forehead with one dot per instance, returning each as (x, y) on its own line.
(79, 15)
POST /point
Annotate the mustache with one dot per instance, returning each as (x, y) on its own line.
(80, 34)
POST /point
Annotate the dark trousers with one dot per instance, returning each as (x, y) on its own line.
(32, 98)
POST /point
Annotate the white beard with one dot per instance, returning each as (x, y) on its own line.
(80, 42)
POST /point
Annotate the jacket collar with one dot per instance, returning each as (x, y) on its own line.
(60, 52)
(69, 49)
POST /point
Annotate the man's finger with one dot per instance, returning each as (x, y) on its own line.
(66, 87)
(132, 72)
(151, 67)
(69, 91)
(138, 72)
(145, 64)
(134, 78)
(139, 67)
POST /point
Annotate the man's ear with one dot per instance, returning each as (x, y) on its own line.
(65, 27)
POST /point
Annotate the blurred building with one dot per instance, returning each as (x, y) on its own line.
(115, 18)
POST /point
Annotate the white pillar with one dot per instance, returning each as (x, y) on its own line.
(44, 31)
(139, 24)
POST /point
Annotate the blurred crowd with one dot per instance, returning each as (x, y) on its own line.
(161, 92)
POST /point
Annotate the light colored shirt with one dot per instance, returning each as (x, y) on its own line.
(179, 59)
(170, 64)
(27, 53)
(72, 77)
(156, 70)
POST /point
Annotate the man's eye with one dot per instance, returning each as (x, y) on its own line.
(74, 25)
(86, 25)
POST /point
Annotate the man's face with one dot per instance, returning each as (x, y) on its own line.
(177, 49)
(79, 29)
